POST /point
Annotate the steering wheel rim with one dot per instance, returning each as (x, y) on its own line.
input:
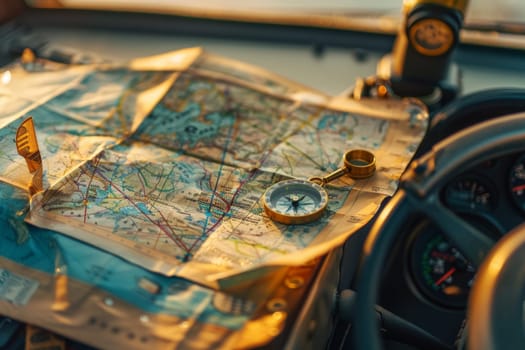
(457, 115)
(492, 300)
(419, 190)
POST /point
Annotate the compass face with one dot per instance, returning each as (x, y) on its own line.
(295, 202)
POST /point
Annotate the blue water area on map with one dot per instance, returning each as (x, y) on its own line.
(41, 249)
(333, 121)
(186, 127)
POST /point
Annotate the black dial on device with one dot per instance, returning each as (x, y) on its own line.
(470, 193)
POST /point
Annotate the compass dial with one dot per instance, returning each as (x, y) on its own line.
(295, 202)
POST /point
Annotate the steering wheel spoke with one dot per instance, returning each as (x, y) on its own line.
(470, 241)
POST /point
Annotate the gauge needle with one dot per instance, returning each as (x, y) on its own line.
(445, 276)
(518, 188)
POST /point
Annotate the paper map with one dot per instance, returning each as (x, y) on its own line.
(166, 168)
(153, 174)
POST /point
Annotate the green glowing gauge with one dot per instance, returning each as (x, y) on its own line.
(441, 272)
(295, 201)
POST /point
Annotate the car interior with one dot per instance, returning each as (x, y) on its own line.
(433, 261)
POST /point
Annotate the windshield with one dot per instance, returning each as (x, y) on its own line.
(486, 23)
(479, 11)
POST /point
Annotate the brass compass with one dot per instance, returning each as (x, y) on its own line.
(296, 201)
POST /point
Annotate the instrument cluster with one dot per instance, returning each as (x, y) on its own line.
(490, 196)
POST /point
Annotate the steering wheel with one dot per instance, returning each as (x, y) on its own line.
(419, 192)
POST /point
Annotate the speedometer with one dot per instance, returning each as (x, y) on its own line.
(517, 182)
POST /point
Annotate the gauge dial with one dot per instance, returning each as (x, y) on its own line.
(470, 193)
(431, 36)
(440, 270)
(295, 201)
(517, 182)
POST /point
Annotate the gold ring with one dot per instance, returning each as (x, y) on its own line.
(360, 163)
